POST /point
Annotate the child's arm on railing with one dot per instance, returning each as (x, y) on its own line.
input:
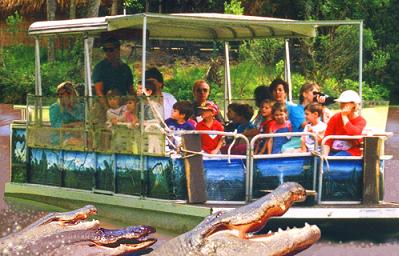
(269, 146)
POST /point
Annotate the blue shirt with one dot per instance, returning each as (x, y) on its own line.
(60, 116)
(172, 124)
(242, 127)
(296, 115)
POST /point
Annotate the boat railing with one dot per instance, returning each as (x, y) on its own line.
(224, 162)
(257, 173)
(90, 130)
(326, 160)
(294, 155)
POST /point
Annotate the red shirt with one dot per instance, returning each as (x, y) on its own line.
(264, 127)
(354, 127)
(209, 143)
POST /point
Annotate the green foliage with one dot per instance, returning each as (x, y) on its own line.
(234, 7)
(134, 6)
(264, 51)
(12, 22)
(246, 76)
(183, 77)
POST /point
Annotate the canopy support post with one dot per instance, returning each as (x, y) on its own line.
(38, 77)
(227, 78)
(143, 66)
(88, 90)
(287, 69)
(143, 57)
(361, 60)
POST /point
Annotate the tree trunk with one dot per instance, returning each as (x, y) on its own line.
(147, 6)
(51, 8)
(92, 8)
(92, 11)
(116, 7)
(72, 9)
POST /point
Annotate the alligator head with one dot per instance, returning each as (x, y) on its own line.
(70, 234)
(232, 232)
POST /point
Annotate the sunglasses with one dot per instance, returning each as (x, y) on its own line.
(200, 90)
(105, 49)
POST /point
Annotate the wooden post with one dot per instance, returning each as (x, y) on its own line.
(194, 169)
(371, 169)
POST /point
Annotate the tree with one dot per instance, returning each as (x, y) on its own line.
(92, 8)
(72, 9)
(116, 7)
(51, 8)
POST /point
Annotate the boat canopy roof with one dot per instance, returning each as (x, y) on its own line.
(183, 26)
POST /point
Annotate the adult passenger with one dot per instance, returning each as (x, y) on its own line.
(168, 99)
(346, 122)
(67, 112)
(111, 72)
(201, 92)
(310, 92)
(296, 114)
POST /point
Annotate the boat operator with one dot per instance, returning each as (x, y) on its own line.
(111, 72)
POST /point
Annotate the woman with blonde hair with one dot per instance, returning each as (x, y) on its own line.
(67, 112)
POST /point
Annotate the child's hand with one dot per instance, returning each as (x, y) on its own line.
(310, 129)
(114, 120)
(215, 151)
(346, 110)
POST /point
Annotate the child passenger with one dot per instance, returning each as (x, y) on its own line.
(181, 112)
(211, 144)
(232, 124)
(242, 117)
(280, 124)
(265, 111)
(116, 112)
(130, 115)
(313, 114)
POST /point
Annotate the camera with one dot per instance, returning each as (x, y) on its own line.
(328, 99)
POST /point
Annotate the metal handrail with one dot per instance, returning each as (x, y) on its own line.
(344, 137)
(281, 155)
(248, 188)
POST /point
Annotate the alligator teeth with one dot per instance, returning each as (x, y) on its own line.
(280, 230)
(270, 232)
(307, 224)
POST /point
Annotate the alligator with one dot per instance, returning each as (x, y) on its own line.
(222, 233)
(232, 232)
(69, 234)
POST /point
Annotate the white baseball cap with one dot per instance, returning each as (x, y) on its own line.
(349, 96)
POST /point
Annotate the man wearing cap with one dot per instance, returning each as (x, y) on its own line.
(346, 122)
(210, 143)
(111, 72)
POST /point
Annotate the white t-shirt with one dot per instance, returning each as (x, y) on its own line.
(168, 101)
(320, 127)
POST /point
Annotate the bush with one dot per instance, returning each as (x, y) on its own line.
(17, 75)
